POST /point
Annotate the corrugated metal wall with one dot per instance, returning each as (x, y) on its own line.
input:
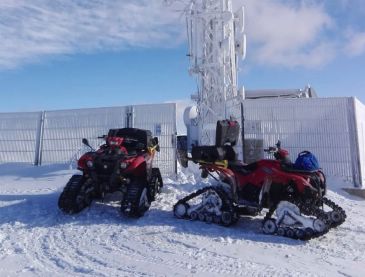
(360, 122)
(55, 136)
(18, 137)
(320, 125)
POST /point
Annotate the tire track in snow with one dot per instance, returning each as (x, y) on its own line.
(99, 242)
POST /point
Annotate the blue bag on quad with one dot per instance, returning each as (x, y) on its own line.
(306, 161)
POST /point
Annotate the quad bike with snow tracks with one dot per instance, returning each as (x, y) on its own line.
(294, 198)
(123, 164)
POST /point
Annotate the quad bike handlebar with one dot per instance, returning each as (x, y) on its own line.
(271, 150)
(279, 153)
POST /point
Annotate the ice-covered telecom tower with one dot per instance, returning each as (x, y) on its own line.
(216, 42)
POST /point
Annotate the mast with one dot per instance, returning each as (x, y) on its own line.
(216, 41)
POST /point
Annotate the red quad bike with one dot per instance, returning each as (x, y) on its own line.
(123, 164)
(294, 197)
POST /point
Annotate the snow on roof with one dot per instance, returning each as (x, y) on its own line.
(307, 92)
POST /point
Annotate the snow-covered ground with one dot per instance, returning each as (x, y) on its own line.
(36, 239)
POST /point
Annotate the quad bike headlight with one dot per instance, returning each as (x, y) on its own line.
(89, 163)
(123, 165)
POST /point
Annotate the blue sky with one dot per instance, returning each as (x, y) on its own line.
(75, 53)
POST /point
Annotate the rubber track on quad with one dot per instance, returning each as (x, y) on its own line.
(130, 204)
(153, 191)
(227, 203)
(318, 213)
(70, 200)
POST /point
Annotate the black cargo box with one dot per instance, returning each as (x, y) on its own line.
(142, 136)
(213, 153)
(227, 132)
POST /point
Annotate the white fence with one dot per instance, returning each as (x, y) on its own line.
(55, 136)
(19, 136)
(64, 130)
(325, 126)
(161, 120)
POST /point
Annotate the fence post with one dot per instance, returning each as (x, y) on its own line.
(354, 142)
(39, 147)
(243, 131)
(175, 138)
(130, 117)
(37, 153)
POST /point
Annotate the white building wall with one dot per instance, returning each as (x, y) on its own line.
(18, 137)
(323, 126)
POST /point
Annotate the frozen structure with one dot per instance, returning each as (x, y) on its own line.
(332, 128)
(216, 42)
(307, 92)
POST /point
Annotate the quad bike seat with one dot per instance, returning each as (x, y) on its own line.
(240, 167)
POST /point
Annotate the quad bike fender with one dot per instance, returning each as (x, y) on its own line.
(137, 167)
(301, 183)
(81, 163)
(277, 176)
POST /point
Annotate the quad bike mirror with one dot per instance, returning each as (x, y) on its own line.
(278, 144)
(86, 142)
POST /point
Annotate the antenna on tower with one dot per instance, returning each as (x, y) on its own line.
(216, 41)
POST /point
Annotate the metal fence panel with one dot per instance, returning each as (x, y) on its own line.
(18, 137)
(64, 130)
(320, 125)
(161, 120)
